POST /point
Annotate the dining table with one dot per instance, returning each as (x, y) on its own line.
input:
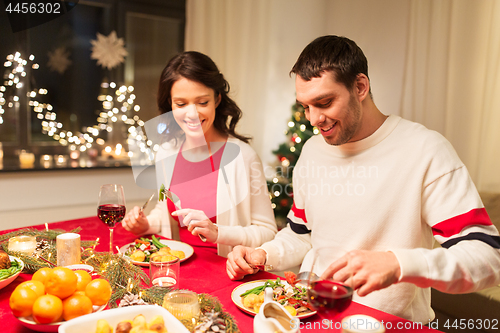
(203, 272)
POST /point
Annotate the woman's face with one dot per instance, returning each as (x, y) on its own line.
(193, 107)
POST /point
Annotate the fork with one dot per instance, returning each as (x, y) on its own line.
(147, 202)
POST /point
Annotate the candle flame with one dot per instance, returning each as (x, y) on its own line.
(46, 227)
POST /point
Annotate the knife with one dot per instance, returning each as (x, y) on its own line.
(177, 203)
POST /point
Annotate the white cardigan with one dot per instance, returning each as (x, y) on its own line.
(244, 212)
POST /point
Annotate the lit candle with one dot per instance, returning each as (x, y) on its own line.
(68, 249)
(46, 161)
(60, 160)
(26, 160)
(24, 244)
(74, 154)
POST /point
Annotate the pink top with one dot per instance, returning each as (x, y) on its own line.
(195, 183)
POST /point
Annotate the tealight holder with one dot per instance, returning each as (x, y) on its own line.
(24, 244)
(183, 304)
(68, 249)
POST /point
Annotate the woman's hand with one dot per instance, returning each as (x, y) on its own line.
(198, 223)
(135, 221)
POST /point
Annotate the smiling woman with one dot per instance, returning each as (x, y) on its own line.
(205, 163)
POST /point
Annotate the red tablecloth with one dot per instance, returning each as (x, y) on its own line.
(204, 272)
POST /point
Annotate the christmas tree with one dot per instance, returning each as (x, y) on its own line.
(280, 187)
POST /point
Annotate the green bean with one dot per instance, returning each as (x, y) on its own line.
(6, 272)
(157, 242)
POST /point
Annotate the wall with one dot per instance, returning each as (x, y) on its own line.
(30, 198)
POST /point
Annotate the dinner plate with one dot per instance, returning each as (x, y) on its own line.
(236, 298)
(174, 245)
(5, 282)
(53, 327)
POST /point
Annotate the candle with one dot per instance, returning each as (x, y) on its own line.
(24, 244)
(46, 161)
(26, 160)
(74, 154)
(68, 249)
(60, 160)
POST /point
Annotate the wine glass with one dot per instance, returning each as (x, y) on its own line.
(328, 296)
(111, 207)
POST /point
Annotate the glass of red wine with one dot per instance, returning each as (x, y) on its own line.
(111, 207)
(328, 296)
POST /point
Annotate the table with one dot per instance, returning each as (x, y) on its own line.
(204, 272)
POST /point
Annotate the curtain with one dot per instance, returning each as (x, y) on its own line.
(452, 79)
(436, 62)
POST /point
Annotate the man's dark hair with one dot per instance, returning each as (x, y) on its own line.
(332, 53)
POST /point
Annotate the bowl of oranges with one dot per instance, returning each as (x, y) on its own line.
(58, 294)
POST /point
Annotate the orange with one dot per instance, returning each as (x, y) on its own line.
(83, 279)
(21, 301)
(36, 286)
(61, 282)
(47, 309)
(76, 306)
(41, 274)
(99, 291)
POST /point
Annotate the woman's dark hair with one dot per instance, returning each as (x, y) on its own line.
(196, 66)
(332, 53)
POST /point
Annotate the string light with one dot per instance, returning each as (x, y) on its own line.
(122, 101)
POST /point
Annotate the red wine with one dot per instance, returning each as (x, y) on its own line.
(329, 297)
(111, 214)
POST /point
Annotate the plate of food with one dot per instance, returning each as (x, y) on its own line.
(249, 296)
(142, 250)
(52, 327)
(11, 267)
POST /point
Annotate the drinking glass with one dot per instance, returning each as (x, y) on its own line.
(111, 207)
(164, 271)
(328, 296)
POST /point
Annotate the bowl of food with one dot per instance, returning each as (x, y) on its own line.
(121, 319)
(10, 269)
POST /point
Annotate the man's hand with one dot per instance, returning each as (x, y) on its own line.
(371, 270)
(135, 221)
(237, 261)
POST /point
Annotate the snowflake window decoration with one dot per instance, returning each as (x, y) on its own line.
(108, 50)
(59, 60)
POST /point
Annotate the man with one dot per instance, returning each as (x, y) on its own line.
(382, 189)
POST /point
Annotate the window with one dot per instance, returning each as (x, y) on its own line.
(68, 83)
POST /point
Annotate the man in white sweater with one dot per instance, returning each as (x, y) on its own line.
(382, 189)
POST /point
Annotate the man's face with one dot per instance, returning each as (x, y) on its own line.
(329, 106)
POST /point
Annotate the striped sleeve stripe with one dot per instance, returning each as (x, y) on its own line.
(300, 213)
(298, 228)
(493, 241)
(456, 224)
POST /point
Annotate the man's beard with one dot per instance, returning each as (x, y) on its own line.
(348, 126)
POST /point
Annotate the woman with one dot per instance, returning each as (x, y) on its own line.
(217, 176)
